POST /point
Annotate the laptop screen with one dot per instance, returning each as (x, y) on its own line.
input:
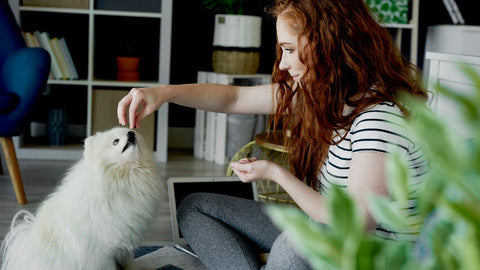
(179, 188)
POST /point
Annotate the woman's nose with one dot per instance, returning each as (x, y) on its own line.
(283, 65)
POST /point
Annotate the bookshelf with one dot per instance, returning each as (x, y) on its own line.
(412, 28)
(94, 34)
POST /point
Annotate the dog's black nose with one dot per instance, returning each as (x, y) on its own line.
(131, 136)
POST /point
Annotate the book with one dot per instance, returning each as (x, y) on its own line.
(68, 58)
(200, 118)
(454, 12)
(457, 12)
(60, 59)
(36, 41)
(44, 39)
(30, 40)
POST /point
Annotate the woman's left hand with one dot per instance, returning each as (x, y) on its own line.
(252, 169)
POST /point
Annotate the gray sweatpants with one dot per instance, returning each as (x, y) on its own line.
(229, 232)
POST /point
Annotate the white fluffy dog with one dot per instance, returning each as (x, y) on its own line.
(96, 216)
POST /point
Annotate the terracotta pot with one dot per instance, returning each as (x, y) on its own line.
(125, 63)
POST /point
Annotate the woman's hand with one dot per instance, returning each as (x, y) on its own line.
(252, 169)
(140, 102)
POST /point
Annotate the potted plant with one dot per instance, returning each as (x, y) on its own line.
(127, 63)
(236, 37)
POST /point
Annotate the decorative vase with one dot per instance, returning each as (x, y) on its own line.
(57, 127)
(128, 68)
(236, 41)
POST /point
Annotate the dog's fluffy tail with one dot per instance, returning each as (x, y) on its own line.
(15, 241)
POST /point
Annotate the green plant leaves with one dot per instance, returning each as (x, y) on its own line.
(321, 247)
(225, 6)
(385, 212)
(397, 177)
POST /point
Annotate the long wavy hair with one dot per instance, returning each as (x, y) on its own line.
(350, 60)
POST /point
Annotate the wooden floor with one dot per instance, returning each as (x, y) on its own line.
(40, 178)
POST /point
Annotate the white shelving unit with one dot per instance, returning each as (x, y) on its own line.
(211, 127)
(413, 27)
(90, 82)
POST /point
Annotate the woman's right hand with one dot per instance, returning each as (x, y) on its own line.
(140, 102)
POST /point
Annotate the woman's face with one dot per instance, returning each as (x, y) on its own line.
(289, 44)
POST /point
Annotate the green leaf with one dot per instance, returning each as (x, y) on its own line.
(385, 212)
(343, 213)
(397, 177)
(319, 246)
(469, 211)
(393, 256)
(367, 251)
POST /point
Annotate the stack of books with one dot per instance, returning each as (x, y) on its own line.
(62, 67)
(454, 11)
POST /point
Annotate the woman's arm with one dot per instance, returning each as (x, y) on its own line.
(309, 200)
(140, 102)
(366, 177)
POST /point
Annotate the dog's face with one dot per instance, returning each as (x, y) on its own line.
(119, 148)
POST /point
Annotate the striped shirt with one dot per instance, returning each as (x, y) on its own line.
(377, 129)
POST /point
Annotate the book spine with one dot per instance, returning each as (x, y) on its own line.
(221, 126)
(210, 126)
(457, 12)
(200, 117)
(36, 40)
(59, 57)
(44, 39)
(28, 39)
(68, 58)
(449, 8)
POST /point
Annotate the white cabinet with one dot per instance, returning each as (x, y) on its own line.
(94, 34)
(445, 71)
(452, 39)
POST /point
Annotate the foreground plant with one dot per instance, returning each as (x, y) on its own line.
(449, 201)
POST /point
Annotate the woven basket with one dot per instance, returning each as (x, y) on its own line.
(235, 62)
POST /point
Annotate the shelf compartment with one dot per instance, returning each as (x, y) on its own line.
(112, 34)
(74, 4)
(104, 114)
(128, 5)
(71, 99)
(72, 27)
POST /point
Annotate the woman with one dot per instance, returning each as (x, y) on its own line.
(334, 87)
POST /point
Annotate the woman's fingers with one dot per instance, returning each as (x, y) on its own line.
(122, 109)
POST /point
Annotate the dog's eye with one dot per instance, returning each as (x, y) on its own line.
(116, 142)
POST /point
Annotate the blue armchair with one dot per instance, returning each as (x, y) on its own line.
(23, 74)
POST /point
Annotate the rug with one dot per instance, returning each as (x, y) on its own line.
(166, 258)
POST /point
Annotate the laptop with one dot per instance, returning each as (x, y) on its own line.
(180, 187)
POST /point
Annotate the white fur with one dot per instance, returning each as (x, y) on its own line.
(96, 216)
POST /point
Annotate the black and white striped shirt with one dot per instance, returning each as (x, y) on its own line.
(377, 129)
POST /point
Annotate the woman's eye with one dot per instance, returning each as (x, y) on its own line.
(116, 142)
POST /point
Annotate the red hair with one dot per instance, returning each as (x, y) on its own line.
(350, 60)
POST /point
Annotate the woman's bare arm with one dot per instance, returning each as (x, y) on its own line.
(140, 102)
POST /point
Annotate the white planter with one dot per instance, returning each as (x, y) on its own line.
(240, 31)
(236, 41)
